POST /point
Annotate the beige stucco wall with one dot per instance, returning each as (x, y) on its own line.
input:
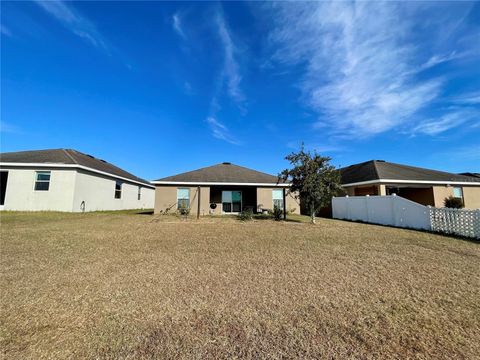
(265, 200)
(293, 204)
(166, 198)
(440, 193)
(471, 197)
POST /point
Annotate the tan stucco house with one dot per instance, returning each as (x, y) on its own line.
(222, 189)
(424, 186)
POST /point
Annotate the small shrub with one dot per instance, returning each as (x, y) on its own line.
(184, 211)
(453, 202)
(246, 215)
(277, 213)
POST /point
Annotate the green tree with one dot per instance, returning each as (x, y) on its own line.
(313, 179)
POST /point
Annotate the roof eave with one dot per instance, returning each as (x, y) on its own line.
(75, 166)
(393, 181)
(218, 183)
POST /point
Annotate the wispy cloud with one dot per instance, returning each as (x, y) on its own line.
(440, 59)
(471, 98)
(445, 122)
(220, 131)
(231, 69)
(9, 128)
(177, 25)
(187, 87)
(229, 78)
(5, 31)
(75, 22)
(360, 64)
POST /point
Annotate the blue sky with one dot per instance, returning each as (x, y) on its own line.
(159, 88)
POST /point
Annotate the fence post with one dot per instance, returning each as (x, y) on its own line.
(394, 210)
(366, 207)
(348, 209)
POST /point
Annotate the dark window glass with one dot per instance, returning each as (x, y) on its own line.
(236, 207)
(43, 176)
(227, 207)
(118, 190)
(42, 186)
(139, 196)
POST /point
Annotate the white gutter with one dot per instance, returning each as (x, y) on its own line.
(71, 166)
(191, 183)
(391, 181)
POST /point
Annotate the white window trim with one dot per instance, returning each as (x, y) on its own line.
(241, 203)
(461, 192)
(273, 200)
(188, 199)
(121, 190)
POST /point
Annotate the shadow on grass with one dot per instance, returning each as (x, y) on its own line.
(144, 212)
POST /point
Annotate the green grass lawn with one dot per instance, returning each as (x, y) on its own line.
(128, 285)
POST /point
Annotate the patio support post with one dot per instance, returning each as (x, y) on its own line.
(284, 205)
(198, 205)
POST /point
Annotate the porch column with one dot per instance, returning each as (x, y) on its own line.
(198, 205)
(284, 205)
(382, 190)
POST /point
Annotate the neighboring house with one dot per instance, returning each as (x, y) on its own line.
(477, 175)
(222, 189)
(424, 186)
(68, 180)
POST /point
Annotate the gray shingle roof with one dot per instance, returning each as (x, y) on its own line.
(223, 173)
(70, 157)
(379, 169)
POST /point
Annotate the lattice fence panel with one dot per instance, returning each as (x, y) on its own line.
(456, 221)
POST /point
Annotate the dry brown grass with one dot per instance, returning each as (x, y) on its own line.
(139, 286)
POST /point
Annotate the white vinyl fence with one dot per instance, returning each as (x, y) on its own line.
(399, 212)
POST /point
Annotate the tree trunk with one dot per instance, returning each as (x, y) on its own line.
(312, 212)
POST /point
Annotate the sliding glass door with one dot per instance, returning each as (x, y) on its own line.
(231, 202)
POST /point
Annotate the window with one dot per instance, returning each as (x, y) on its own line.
(42, 180)
(231, 201)
(118, 190)
(183, 198)
(457, 192)
(139, 194)
(277, 196)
